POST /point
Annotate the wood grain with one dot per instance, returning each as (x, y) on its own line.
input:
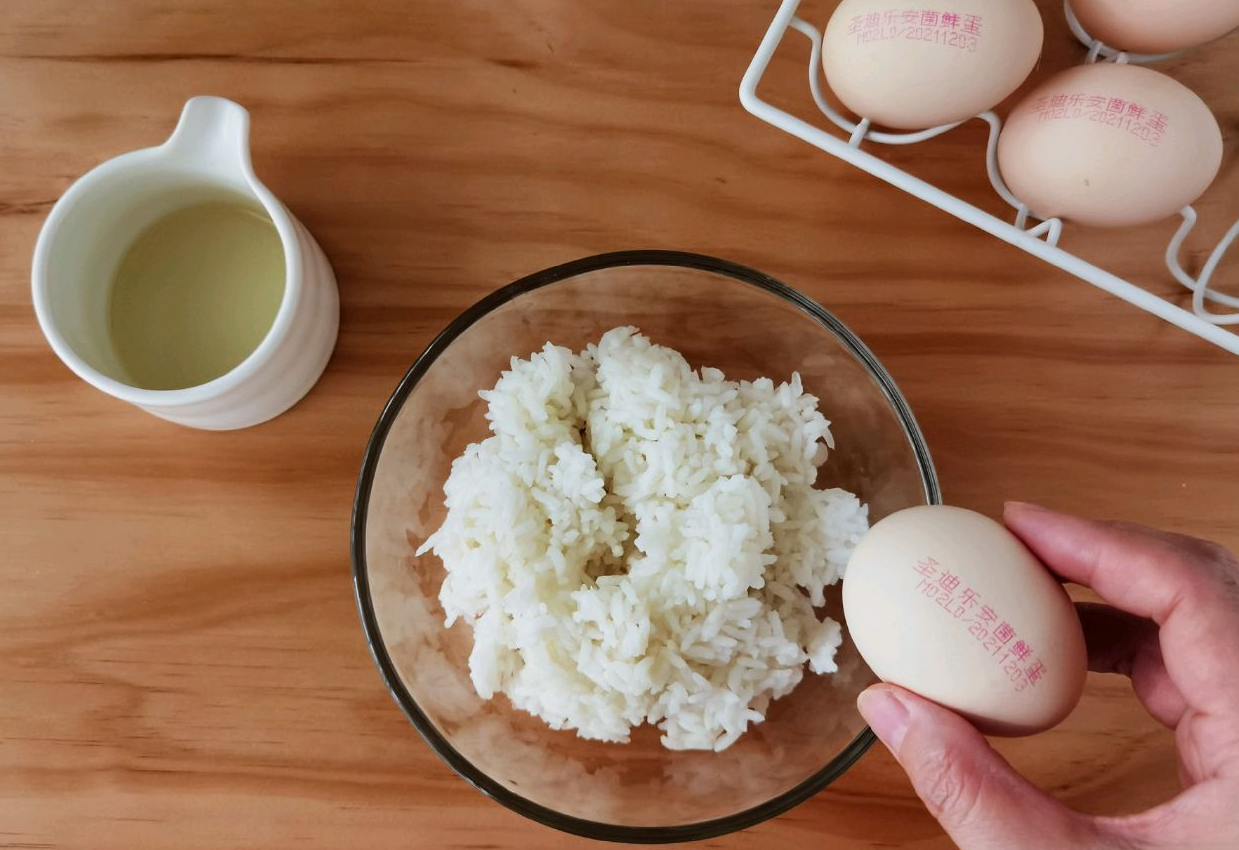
(180, 659)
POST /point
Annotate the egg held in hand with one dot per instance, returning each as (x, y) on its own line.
(914, 67)
(950, 605)
(1110, 146)
(1156, 26)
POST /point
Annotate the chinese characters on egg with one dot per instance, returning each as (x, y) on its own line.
(998, 638)
(1146, 124)
(947, 29)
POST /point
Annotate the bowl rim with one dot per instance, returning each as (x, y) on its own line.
(438, 743)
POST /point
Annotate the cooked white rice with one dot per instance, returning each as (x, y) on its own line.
(639, 542)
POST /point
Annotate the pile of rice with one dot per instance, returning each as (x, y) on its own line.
(641, 543)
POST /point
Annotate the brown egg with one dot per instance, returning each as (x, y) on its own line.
(1157, 26)
(1110, 146)
(949, 604)
(917, 67)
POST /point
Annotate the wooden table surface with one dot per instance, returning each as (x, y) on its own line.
(180, 659)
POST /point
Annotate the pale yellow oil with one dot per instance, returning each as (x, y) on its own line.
(195, 294)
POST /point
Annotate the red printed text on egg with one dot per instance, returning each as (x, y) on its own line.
(947, 590)
(949, 29)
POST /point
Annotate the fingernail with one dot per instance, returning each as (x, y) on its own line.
(886, 714)
(1026, 506)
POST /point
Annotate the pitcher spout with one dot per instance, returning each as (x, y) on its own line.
(212, 136)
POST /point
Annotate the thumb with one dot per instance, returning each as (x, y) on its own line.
(981, 802)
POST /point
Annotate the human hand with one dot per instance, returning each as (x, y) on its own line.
(1173, 628)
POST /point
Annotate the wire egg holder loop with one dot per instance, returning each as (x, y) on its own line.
(1037, 237)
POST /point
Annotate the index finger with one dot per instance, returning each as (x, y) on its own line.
(1189, 588)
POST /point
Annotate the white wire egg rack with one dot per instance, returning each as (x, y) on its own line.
(1039, 238)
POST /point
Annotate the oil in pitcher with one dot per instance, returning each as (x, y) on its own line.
(195, 293)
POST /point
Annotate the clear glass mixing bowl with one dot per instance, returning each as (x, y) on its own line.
(717, 314)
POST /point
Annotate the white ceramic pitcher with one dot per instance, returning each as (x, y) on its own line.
(206, 159)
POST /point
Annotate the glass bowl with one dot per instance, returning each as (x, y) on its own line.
(717, 314)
